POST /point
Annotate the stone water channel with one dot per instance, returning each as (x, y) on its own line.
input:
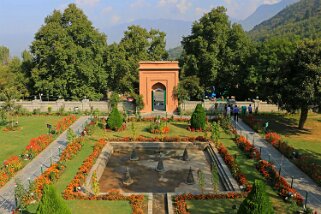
(115, 170)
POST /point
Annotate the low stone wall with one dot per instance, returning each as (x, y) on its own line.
(219, 106)
(84, 105)
(99, 166)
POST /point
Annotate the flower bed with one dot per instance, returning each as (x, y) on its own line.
(267, 170)
(72, 190)
(180, 200)
(279, 183)
(248, 148)
(37, 145)
(64, 123)
(235, 169)
(304, 161)
(159, 139)
(255, 124)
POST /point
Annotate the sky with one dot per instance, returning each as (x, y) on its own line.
(21, 19)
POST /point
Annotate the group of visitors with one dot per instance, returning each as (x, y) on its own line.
(234, 111)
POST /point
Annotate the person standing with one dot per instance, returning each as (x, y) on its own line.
(250, 109)
(236, 113)
(228, 111)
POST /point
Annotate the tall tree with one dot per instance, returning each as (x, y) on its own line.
(69, 56)
(300, 81)
(139, 45)
(4, 55)
(217, 51)
(269, 62)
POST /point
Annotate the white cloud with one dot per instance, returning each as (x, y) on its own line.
(181, 5)
(87, 2)
(107, 10)
(162, 3)
(115, 19)
(270, 1)
(200, 11)
(138, 4)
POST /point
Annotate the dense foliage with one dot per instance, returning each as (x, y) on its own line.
(300, 20)
(115, 119)
(52, 202)
(198, 119)
(219, 54)
(257, 201)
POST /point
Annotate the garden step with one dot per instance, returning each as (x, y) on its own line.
(228, 181)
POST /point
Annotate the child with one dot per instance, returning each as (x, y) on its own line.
(250, 109)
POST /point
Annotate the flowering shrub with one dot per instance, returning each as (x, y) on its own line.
(280, 184)
(4, 177)
(254, 123)
(158, 126)
(72, 149)
(305, 162)
(180, 200)
(38, 144)
(64, 123)
(71, 190)
(248, 148)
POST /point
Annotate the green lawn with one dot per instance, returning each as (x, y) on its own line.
(80, 206)
(213, 206)
(14, 142)
(247, 166)
(307, 140)
(176, 129)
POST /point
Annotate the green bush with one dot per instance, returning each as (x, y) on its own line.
(51, 202)
(115, 119)
(198, 119)
(257, 201)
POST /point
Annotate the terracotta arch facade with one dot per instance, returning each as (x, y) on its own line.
(154, 75)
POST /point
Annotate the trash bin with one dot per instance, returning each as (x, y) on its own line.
(243, 110)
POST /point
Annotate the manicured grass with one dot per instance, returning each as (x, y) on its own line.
(176, 129)
(307, 140)
(14, 142)
(213, 206)
(247, 166)
(99, 207)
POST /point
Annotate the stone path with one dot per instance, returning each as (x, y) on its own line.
(33, 169)
(302, 183)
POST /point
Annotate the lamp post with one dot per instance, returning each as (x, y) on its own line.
(49, 126)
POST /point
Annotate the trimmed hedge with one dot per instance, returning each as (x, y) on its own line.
(198, 120)
(115, 120)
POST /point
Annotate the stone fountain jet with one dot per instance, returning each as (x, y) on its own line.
(134, 156)
(185, 156)
(160, 165)
(127, 178)
(190, 177)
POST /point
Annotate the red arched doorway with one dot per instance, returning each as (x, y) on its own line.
(158, 97)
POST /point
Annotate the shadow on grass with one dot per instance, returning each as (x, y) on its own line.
(180, 125)
(282, 124)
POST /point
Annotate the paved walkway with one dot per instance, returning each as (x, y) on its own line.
(302, 183)
(33, 169)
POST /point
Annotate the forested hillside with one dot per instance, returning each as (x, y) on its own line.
(300, 20)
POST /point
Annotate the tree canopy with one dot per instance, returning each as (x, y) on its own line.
(69, 56)
(218, 53)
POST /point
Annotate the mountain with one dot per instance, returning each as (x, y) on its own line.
(174, 29)
(300, 20)
(265, 12)
(175, 53)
